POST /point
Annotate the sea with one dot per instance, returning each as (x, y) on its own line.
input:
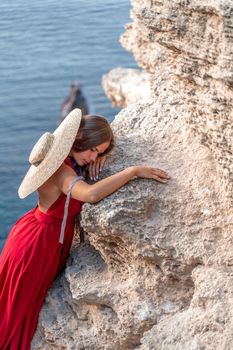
(44, 46)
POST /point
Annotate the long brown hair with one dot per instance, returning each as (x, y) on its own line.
(93, 131)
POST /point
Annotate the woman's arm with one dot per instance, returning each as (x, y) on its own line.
(94, 193)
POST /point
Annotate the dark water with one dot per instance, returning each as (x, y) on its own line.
(45, 45)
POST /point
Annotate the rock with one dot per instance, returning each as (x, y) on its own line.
(126, 86)
(76, 99)
(146, 240)
(156, 271)
(187, 47)
(206, 324)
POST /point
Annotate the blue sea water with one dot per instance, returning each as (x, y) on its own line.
(44, 46)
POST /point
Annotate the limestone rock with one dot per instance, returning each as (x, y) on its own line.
(187, 47)
(206, 324)
(156, 270)
(127, 86)
(146, 240)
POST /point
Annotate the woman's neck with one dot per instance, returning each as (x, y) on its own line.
(80, 170)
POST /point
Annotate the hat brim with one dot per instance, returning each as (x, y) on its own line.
(64, 137)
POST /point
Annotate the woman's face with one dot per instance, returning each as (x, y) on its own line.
(90, 155)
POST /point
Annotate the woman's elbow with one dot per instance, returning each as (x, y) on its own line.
(92, 198)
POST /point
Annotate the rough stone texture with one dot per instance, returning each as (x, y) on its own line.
(187, 46)
(206, 324)
(156, 271)
(127, 86)
(146, 242)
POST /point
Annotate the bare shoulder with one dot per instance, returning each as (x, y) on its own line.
(64, 170)
(64, 176)
(54, 183)
(58, 183)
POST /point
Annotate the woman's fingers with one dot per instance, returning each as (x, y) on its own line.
(93, 170)
(96, 167)
(160, 179)
(157, 174)
(102, 162)
(160, 173)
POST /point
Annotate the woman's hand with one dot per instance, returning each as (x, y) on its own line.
(152, 173)
(96, 167)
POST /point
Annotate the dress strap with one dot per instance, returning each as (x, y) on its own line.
(63, 225)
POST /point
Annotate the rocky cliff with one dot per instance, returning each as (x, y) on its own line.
(186, 46)
(156, 270)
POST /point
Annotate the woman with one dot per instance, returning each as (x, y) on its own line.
(38, 244)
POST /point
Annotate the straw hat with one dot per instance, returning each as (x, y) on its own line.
(49, 153)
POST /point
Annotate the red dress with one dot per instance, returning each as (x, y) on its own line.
(31, 259)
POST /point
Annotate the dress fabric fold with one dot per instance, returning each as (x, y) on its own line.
(31, 259)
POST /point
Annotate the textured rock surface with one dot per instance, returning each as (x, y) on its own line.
(206, 324)
(149, 240)
(156, 272)
(127, 86)
(187, 46)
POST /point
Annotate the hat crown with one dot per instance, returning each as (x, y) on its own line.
(41, 148)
